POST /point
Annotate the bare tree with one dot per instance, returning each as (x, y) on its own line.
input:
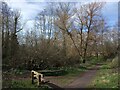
(64, 23)
(91, 14)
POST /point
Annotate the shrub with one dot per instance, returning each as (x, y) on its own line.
(114, 62)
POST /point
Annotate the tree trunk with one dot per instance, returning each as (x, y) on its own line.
(87, 40)
(64, 44)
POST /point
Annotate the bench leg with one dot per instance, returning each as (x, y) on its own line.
(32, 77)
(39, 80)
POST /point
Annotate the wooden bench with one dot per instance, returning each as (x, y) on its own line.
(38, 76)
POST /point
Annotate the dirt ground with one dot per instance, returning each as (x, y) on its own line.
(84, 80)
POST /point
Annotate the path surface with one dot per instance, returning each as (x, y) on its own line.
(85, 79)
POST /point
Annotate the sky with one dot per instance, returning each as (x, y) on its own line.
(30, 9)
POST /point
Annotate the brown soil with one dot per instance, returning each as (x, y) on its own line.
(84, 80)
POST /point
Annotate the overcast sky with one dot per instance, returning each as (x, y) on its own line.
(30, 9)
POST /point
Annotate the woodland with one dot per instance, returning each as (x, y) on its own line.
(62, 35)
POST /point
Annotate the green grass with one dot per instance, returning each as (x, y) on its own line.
(95, 60)
(22, 84)
(105, 78)
(110, 64)
(63, 71)
(27, 84)
(105, 66)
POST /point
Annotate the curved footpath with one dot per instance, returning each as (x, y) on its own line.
(84, 80)
(81, 81)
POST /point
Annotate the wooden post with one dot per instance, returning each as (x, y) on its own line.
(39, 79)
(32, 76)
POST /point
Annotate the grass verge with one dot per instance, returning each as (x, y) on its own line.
(106, 78)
